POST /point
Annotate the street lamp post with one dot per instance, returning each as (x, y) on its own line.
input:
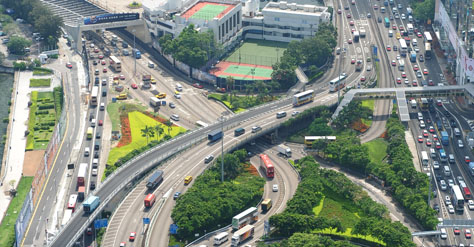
(277, 49)
(134, 55)
(222, 119)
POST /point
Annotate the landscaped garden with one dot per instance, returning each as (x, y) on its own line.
(7, 228)
(240, 103)
(42, 71)
(140, 130)
(44, 110)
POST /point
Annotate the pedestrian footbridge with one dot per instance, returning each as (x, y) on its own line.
(401, 94)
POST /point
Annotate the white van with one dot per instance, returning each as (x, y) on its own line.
(457, 132)
(95, 163)
(382, 9)
(390, 33)
(93, 122)
(447, 171)
(414, 42)
(179, 88)
(420, 116)
(451, 158)
(444, 235)
(175, 117)
(221, 238)
(281, 114)
(87, 151)
(410, 18)
(433, 153)
(151, 64)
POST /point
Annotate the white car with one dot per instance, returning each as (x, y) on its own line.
(447, 200)
(295, 113)
(443, 186)
(178, 96)
(403, 17)
(275, 188)
(470, 204)
(460, 144)
(450, 183)
(94, 172)
(450, 209)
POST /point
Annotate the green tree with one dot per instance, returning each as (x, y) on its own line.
(320, 127)
(169, 124)
(230, 82)
(17, 45)
(158, 130)
(148, 132)
(2, 58)
(424, 10)
(49, 26)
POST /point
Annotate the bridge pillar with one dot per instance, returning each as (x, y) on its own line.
(75, 33)
(141, 32)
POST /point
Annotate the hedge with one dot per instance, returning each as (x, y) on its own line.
(43, 82)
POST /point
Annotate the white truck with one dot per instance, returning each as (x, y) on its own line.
(284, 150)
(155, 102)
(362, 33)
(413, 103)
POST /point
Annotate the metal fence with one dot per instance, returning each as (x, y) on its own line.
(23, 218)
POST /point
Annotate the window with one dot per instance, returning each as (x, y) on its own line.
(238, 18)
(235, 16)
(305, 22)
(277, 18)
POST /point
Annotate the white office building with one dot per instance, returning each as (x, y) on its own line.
(278, 21)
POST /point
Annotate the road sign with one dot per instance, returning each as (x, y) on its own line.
(146, 221)
(100, 223)
(173, 229)
(375, 50)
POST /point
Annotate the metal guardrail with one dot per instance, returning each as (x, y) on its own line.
(153, 163)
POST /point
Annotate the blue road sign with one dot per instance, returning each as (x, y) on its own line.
(100, 223)
(375, 50)
(146, 221)
(173, 229)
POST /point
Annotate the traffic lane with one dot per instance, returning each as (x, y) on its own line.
(463, 125)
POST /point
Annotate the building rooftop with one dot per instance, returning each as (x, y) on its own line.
(285, 7)
(207, 10)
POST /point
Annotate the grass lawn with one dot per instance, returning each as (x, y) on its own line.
(138, 121)
(174, 242)
(114, 113)
(333, 205)
(260, 52)
(377, 150)
(7, 228)
(44, 82)
(42, 71)
(371, 105)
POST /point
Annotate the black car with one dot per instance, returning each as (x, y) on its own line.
(379, 19)
(94, 62)
(97, 81)
(436, 207)
(97, 135)
(176, 195)
(92, 187)
(96, 154)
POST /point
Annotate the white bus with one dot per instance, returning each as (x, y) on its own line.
(247, 217)
(94, 95)
(424, 158)
(401, 65)
(428, 37)
(72, 202)
(303, 98)
(201, 124)
(410, 28)
(115, 63)
(458, 199)
(403, 47)
(427, 50)
(334, 86)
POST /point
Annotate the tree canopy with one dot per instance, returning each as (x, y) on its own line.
(424, 10)
(17, 45)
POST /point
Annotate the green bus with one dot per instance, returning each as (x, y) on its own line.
(387, 22)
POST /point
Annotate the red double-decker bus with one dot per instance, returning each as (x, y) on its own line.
(267, 166)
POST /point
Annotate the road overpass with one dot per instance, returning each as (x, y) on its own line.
(402, 93)
(73, 13)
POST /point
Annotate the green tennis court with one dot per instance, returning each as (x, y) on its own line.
(208, 12)
(259, 52)
(248, 71)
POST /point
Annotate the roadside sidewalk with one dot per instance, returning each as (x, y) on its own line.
(16, 141)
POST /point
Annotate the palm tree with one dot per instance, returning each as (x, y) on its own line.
(169, 124)
(158, 130)
(148, 132)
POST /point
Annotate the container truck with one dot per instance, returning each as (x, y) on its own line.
(91, 204)
(81, 176)
(155, 101)
(444, 138)
(81, 192)
(155, 180)
(284, 150)
(215, 135)
(243, 234)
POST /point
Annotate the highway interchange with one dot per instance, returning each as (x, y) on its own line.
(128, 217)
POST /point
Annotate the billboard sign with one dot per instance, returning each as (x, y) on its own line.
(106, 18)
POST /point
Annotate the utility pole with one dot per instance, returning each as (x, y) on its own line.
(222, 119)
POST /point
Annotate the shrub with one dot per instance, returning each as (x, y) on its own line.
(45, 82)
